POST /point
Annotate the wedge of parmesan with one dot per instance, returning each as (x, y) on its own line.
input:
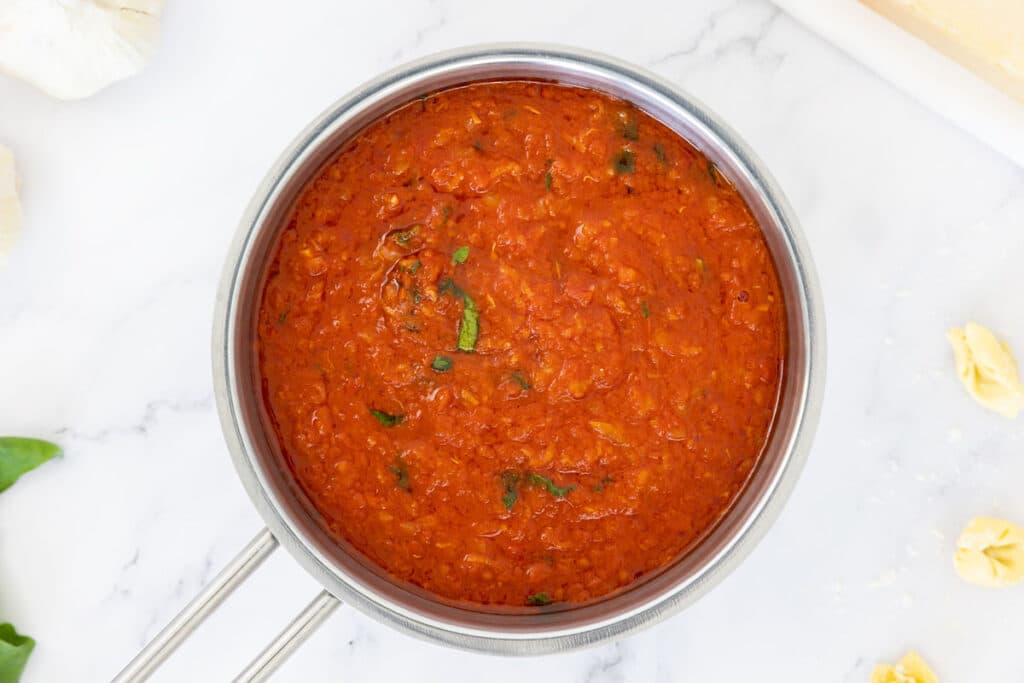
(10, 208)
(74, 48)
(986, 36)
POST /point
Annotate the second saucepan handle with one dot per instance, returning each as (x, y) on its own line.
(289, 639)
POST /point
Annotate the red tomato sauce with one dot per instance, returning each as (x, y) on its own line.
(521, 343)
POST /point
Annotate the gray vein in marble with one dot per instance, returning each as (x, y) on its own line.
(854, 673)
(150, 416)
(694, 44)
(119, 591)
(754, 44)
(608, 667)
(422, 33)
(749, 41)
(185, 589)
(153, 295)
(14, 312)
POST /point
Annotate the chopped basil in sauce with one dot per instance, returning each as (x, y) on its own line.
(548, 181)
(644, 309)
(631, 129)
(387, 419)
(441, 364)
(469, 326)
(538, 600)
(510, 480)
(402, 238)
(712, 171)
(446, 213)
(416, 265)
(523, 383)
(659, 152)
(552, 488)
(448, 286)
(624, 162)
(401, 472)
(284, 314)
(604, 482)
(460, 255)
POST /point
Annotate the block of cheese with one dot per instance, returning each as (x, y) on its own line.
(10, 209)
(986, 36)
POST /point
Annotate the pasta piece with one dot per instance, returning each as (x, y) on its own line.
(910, 669)
(987, 369)
(990, 553)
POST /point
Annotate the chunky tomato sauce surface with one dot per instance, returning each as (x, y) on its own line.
(521, 344)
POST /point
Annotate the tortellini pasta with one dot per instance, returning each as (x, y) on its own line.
(990, 552)
(987, 369)
(910, 669)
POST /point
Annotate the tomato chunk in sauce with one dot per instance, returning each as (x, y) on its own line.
(521, 344)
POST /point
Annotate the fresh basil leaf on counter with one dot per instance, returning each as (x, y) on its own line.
(19, 455)
(14, 652)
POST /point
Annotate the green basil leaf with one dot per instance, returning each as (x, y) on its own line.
(469, 328)
(460, 255)
(401, 472)
(659, 152)
(624, 162)
(19, 455)
(510, 480)
(387, 419)
(538, 600)
(14, 652)
(552, 488)
(403, 237)
(631, 129)
(712, 172)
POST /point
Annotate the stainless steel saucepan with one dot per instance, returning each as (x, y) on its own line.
(344, 573)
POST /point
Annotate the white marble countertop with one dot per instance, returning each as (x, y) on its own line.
(132, 196)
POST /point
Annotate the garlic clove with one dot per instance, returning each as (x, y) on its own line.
(74, 48)
(10, 208)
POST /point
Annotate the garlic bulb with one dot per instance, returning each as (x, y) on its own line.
(74, 48)
(10, 209)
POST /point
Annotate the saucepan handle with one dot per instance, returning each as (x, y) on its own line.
(293, 635)
(175, 633)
